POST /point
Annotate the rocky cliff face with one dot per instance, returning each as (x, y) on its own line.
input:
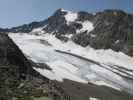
(10, 54)
(18, 80)
(113, 29)
(13, 68)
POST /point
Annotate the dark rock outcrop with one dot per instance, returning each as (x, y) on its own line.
(113, 30)
(58, 25)
(10, 54)
(83, 16)
(18, 80)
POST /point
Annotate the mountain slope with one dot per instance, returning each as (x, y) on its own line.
(93, 49)
(80, 72)
(85, 65)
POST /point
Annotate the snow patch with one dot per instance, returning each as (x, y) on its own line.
(86, 26)
(103, 83)
(91, 98)
(63, 10)
(38, 31)
(71, 17)
(117, 41)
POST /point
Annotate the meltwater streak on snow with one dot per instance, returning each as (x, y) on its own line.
(101, 73)
(61, 64)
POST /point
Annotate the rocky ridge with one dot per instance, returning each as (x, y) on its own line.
(113, 29)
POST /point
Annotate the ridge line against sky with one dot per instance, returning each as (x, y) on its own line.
(18, 12)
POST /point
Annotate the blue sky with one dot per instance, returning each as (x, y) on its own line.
(17, 12)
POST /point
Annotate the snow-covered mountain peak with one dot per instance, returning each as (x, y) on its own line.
(69, 16)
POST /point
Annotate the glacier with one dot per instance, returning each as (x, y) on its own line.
(71, 61)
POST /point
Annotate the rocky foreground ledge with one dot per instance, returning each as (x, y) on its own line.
(18, 81)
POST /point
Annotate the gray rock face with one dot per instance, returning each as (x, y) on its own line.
(10, 54)
(83, 16)
(113, 29)
(81, 39)
(58, 25)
